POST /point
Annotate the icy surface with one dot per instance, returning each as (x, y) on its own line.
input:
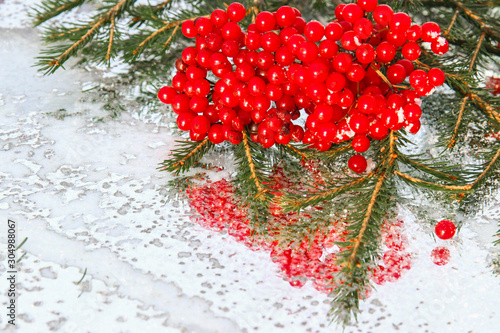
(88, 197)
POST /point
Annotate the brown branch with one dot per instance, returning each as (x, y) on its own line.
(488, 108)
(477, 19)
(333, 191)
(481, 39)
(182, 161)
(165, 27)
(108, 54)
(304, 156)
(452, 140)
(358, 240)
(252, 164)
(97, 25)
(423, 182)
(379, 73)
(171, 36)
(452, 22)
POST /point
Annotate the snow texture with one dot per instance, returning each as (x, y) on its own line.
(88, 197)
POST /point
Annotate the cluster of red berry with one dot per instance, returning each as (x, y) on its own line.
(493, 84)
(315, 260)
(282, 64)
(444, 229)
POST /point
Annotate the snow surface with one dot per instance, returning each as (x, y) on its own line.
(87, 196)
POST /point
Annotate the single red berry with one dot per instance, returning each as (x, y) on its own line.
(215, 134)
(413, 127)
(440, 256)
(219, 18)
(342, 62)
(180, 103)
(360, 143)
(188, 29)
(385, 52)
(407, 64)
(365, 53)
(346, 98)
(440, 46)
(299, 25)
(314, 31)
(418, 78)
(200, 125)
(286, 33)
(378, 130)
(382, 15)
(256, 86)
(323, 112)
(396, 73)
(231, 30)
(203, 26)
(184, 120)
(396, 38)
(338, 12)
(356, 73)
(367, 104)
(333, 31)
(167, 94)
(414, 33)
(367, 5)
(327, 132)
(436, 77)
(236, 12)
(285, 16)
(359, 123)
(308, 51)
(328, 49)
(430, 31)
(411, 51)
(352, 13)
(198, 104)
(400, 22)
(445, 229)
(412, 112)
(253, 40)
(271, 42)
(350, 41)
(335, 81)
(265, 21)
(363, 28)
(357, 163)
(297, 133)
(284, 57)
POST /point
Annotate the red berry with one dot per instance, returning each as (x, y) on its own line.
(215, 134)
(385, 52)
(231, 30)
(365, 53)
(407, 64)
(396, 73)
(400, 22)
(338, 12)
(314, 31)
(203, 26)
(188, 29)
(445, 229)
(359, 123)
(200, 125)
(440, 46)
(253, 40)
(327, 49)
(219, 18)
(363, 28)
(352, 13)
(440, 256)
(184, 120)
(357, 163)
(326, 132)
(414, 33)
(342, 62)
(307, 52)
(334, 31)
(367, 5)
(412, 112)
(236, 12)
(350, 41)
(356, 73)
(378, 130)
(418, 78)
(297, 133)
(265, 21)
(436, 77)
(411, 51)
(180, 103)
(382, 15)
(256, 86)
(167, 95)
(430, 31)
(360, 143)
(413, 127)
(367, 104)
(285, 16)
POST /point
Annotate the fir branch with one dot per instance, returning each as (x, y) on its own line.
(430, 169)
(251, 164)
(487, 170)
(298, 152)
(455, 15)
(185, 156)
(477, 20)
(111, 34)
(49, 9)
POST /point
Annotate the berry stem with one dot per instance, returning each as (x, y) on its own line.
(379, 73)
(304, 156)
(452, 140)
